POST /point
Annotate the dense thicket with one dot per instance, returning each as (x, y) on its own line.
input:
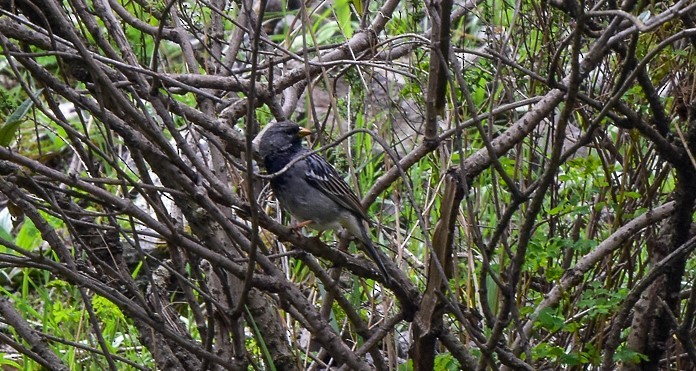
(529, 167)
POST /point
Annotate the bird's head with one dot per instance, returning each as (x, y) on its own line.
(279, 137)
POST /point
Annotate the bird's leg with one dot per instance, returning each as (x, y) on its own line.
(300, 225)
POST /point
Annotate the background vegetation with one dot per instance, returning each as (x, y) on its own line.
(529, 167)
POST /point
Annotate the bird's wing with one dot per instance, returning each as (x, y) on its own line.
(322, 176)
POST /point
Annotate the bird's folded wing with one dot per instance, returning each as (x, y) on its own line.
(321, 175)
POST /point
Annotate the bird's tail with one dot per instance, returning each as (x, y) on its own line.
(372, 251)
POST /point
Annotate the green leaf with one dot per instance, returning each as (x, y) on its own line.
(261, 340)
(6, 361)
(7, 131)
(446, 361)
(407, 366)
(28, 237)
(626, 355)
(342, 8)
(549, 320)
(359, 8)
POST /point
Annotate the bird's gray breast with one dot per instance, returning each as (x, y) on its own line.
(304, 201)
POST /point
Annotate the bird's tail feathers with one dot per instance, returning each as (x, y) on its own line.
(372, 251)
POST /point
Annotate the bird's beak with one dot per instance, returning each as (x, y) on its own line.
(304, 132)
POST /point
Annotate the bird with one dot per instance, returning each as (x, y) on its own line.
(311, 189)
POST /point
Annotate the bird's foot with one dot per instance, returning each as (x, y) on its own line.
(295, 228)
(301, 225)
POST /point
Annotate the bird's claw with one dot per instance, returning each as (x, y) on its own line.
(295, 228)
(301, 225)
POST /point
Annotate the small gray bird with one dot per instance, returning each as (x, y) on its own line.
(311, 189)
